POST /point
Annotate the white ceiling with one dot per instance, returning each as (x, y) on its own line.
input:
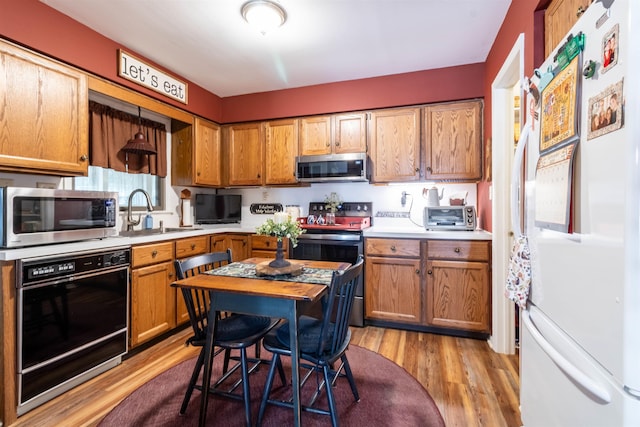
(209, 43)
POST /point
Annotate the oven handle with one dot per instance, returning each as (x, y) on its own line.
(329, 237)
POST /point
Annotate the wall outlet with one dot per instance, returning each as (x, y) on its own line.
(265, 196)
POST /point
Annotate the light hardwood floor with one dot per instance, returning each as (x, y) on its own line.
(472, 385)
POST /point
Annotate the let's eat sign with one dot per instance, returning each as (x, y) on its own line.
(133, 69)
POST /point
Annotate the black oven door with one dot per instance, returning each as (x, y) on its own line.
(69, 325)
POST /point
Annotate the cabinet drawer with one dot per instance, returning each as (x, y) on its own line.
(151, 254)
(267, 243)
(191, 246)
(392, 247)
(458, 249)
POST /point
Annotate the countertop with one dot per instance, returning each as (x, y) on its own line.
(111, 242)
(407, 229)
(382, 228)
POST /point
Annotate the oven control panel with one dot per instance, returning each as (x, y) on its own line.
(35, 271)
(345, 209)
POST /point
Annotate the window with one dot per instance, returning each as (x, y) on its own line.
(101, 179)
(105, 179)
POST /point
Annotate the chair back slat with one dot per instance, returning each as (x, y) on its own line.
(337, 310)
(197, 301)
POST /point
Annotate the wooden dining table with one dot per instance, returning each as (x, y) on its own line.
(240, 290)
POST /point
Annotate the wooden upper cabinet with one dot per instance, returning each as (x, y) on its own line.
(315, 135)
(281, 149)
(196, 153)
(244, 144)
(559, 17)
(208, 153)
(395, 145)
(453, 141)
(350, 133)
(44, 113)
(336, 134)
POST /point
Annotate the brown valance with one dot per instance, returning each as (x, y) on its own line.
(109, 131)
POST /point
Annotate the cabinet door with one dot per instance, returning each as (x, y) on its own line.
(315, 135)
(281, 149)
(239, 244)
(219, 243)
(44, 117)
(393, 289)
(453, 141)
(350, 133)
(153, 302)
(208, 153)
(458, 295)
(245, 154)
(559, 17)
(395, 145)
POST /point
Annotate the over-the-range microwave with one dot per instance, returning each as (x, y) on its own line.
(349, 167)
(39, 216)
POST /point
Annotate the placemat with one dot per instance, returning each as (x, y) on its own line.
(319, 276)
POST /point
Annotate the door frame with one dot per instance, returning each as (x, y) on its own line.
(502, 105)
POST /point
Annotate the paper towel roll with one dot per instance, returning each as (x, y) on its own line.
(186, 213)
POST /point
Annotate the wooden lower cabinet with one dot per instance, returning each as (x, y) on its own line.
(459, 285)
(153, 300)
(394, 288)
(237, 242)
(434, 285)
(265, 246)
(157, 307)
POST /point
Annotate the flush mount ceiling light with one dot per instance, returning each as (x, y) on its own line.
(264, 15)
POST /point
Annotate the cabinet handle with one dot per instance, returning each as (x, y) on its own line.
(429, 272)
(84, 157)
(393, 248)
(170, 275)
(268, 243)
(456, 250)
(580, 11)
(258, 176)
(154, 254)
(429, 169)
(193, 246)
(417, 169)
(418, 271)
(337, 143)
(328, 144)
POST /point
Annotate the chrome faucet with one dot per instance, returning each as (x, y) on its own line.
(133, 222)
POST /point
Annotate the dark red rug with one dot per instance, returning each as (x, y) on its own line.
(389, 396)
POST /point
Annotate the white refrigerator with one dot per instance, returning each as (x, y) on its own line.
(580, 331)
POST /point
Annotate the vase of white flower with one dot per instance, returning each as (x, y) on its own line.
(281, 226)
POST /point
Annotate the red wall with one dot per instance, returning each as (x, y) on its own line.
(519, 19)
(445, 84)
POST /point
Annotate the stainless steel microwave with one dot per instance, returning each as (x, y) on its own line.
(350, 167)
(450, 218)
(39, 216)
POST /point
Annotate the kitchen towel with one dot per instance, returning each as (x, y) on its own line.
(519, 276)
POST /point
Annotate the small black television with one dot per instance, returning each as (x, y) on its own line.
(218, 208)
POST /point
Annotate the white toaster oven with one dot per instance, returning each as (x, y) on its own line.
(450, 218)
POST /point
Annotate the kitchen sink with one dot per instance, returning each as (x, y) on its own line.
(153, 231)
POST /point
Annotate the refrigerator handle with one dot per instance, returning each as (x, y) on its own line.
(516, 174)
(565, 365)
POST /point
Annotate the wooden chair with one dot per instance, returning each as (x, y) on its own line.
(233, 332)
(322, 342)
